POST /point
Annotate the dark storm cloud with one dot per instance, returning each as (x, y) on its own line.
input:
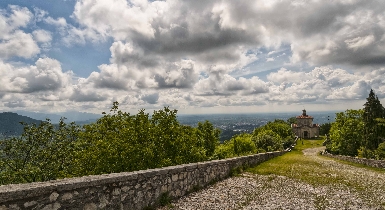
(196, 43)
(151, 98)
(373, 60)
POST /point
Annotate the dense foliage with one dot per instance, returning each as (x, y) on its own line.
(346, 133)
(325, 129)
(279, 132)
(120, 142)
(41, 153)
(374, 133)
(359, 132)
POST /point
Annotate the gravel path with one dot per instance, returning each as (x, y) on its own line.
(253, 191)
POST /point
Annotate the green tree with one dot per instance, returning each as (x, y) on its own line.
(120, 142)
(224, 150)
(373, 132)
(41, 153)
(346, 133)
(325, 128)
(243, 145)
(381, 121)
(209, 136)
(380, 151)
(291, 120)
(281, 128)
(238, 145)
(268, 141)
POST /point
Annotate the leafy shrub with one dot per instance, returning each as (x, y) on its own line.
(268, 141)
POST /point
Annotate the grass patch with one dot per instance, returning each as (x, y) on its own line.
(309, 169)
(165, 199)
(293, 164)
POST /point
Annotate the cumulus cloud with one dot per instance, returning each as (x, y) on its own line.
(82, 95)
(13, 41)
(46, 75)
(137, 20)
(358, 90)
(322, 83)
(18, 44)
(188, 52)
(130, 69)
(220, 83)
(157, 37)
(42, 36)
(71, 35)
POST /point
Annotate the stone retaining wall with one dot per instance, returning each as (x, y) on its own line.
(368, 162)
(129, 190)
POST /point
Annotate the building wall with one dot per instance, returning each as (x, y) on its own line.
(312, 131)
(129, 190)
(304, 121)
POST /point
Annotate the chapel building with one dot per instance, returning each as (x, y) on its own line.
(305, 127)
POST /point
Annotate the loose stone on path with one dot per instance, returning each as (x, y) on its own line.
(252, 191)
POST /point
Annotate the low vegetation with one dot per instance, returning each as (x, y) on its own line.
(303, 163)
(121, 142)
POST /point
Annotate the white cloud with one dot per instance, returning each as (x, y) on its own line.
(360, 42)
(18, 44)
(186, 53)
(83, 94)
(358, 90)
(46, 75)
(13, 41)
(59, 22)
(221, 84)
(284, 75)
(136, 18)
(19, 17)
(42, 36)
(71, 35)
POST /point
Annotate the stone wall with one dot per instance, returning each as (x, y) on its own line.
(129, 190)
(364, 161)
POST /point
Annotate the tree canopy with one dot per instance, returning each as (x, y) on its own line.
(373, 109)
(359, 132)
(121, 142)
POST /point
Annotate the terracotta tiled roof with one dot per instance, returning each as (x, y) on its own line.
(298, 126)
(305, 116)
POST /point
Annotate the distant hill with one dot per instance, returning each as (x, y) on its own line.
(72, 116)
(10, 123)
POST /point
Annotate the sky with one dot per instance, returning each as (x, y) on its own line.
(219, 56)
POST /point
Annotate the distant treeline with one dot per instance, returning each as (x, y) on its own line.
(120, 142)
(359, 132)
